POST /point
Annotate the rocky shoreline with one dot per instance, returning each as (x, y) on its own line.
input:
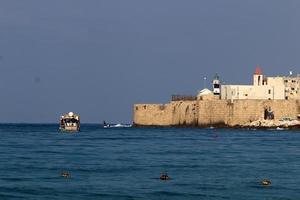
(258, 124)
(273, 124)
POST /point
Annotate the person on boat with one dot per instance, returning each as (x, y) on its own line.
(65, 174)
(266, 182)
(164, 177)
(105, 125)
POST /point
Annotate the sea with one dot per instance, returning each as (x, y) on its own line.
(126, 163)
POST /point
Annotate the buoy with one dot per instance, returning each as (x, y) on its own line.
(266, 182)
(65, 174)
(164, 177)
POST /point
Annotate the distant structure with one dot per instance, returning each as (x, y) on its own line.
(216, 85)
(206, 94)
(275, 88)
(268, 102)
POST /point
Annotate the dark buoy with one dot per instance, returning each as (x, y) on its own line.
(266, 182)
(65, 174)
(164, 177)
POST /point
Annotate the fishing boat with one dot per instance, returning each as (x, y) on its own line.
(70, 122)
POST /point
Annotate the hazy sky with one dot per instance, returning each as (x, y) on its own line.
(97, 58)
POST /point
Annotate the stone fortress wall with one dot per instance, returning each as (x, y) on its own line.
(175, 113)
(213, 112)
(243, 112)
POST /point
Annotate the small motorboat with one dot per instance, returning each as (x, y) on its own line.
(107, 125)
(122, 125)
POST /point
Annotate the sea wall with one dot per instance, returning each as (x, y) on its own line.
(212, 112)
(175, 113)
(241, 112)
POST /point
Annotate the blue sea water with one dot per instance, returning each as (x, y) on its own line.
(125, 163)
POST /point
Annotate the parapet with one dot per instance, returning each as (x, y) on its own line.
(184, 98)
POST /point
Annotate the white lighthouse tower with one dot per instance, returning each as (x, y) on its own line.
(216, 85)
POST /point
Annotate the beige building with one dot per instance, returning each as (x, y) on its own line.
(266, 88)
(292, 87)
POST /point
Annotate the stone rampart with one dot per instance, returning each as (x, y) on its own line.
(213, 112)
(175, 113)
(241, 112)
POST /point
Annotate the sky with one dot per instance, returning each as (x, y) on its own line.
(99, 57)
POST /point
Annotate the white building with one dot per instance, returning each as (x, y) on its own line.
(264, 88)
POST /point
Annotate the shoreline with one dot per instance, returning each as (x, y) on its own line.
(223, 126)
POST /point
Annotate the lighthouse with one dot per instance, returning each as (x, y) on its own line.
(216, 85)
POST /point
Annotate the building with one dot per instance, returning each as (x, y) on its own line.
(291, 87)
(264, 88)
(268, 102)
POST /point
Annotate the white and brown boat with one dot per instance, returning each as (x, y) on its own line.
(70, 122)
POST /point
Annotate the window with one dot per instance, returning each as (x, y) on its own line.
(216, 85)
(161, 107)
(269, 91)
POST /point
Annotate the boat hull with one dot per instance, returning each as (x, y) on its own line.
(70, 129)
